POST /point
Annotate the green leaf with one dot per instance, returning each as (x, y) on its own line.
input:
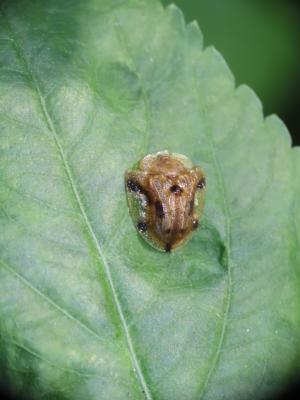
(87, 309)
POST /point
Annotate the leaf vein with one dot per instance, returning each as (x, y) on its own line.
(227, 242)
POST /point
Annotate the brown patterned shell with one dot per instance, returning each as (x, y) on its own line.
(166, 198)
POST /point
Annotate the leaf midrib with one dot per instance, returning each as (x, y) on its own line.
(35, 85)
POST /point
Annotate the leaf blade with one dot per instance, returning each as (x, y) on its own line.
(123, 86)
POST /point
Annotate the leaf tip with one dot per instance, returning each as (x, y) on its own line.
(194, 33)
(278, 126)
(248, 93)
(212, 52)
(176, 16)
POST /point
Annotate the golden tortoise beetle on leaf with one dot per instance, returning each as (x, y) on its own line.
(165, 194)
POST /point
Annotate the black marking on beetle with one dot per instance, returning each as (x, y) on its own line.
(142, 226)
(159, 209)
(201, 184)
(195, 224)
(191, 207)
(176, 189)
(168, 247)
(133, 186)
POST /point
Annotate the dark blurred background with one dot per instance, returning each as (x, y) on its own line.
(259, 39)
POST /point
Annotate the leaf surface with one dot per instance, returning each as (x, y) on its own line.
(87, 309)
